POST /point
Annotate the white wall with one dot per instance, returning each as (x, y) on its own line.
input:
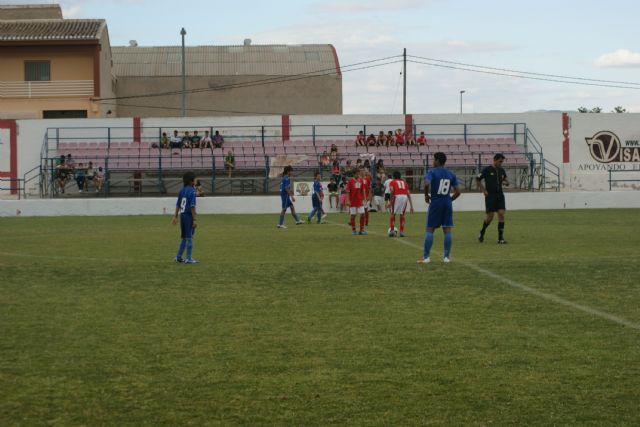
(271, 204)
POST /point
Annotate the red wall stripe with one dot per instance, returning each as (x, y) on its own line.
(136, 130)
(565, 137)
(285, 127)
(13, 149)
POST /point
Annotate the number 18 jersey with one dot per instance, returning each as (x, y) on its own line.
(442, 181)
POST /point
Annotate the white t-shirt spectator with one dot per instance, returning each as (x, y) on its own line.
(387, 186)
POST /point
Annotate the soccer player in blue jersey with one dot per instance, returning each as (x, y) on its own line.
(438, 183)
(316, 200)
(186, 208)
(286, 195)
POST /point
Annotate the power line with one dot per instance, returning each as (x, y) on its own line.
(270, 80)
(495, 73)
(526, 72)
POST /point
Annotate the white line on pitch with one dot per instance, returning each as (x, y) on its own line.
(528, 289)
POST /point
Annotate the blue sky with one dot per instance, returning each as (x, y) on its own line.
(592, 39)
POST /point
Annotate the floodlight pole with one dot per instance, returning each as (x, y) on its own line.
(461, 92)
(404, 83)
(183, 33)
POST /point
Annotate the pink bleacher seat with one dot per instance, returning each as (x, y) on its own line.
(279, 150)
(72, 145)
(93, 145)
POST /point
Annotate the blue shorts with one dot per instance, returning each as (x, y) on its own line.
(286, 201)
(440, 214)
(186, 226)
(316, 202)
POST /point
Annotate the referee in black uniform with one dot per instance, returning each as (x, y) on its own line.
(494, 178)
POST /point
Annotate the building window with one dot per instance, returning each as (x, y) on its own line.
(37, 71)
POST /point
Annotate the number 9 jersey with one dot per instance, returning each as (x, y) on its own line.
(441, 181)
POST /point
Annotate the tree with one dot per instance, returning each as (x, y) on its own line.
(619, 109)
(596, 110)
(583, 110)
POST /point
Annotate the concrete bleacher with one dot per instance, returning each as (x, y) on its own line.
(253, 155)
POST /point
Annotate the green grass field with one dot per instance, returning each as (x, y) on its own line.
(313, 326)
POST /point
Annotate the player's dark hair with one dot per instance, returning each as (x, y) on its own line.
(499, 156)
(188, 178)
(396, 175)
(286, 170)
(440, 157)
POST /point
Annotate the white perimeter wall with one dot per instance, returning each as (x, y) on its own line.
(271, 204)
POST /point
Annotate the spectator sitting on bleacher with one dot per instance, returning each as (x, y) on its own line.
(62, 173)
(71, 164)
(409, 138)
(371, 140)
(175, 141)
(81, 175)
(381, 139)
(335, 171)
(390, 138)
(347, 172)
(380, 170)
(195, 140)
(164, 141)
(91, 173)
(186, 140)
(229, 162)
(206, 141)
(324, 161)
(422, 139)
(360, 140)
(98, 179)
(399, 137)
(218, 140)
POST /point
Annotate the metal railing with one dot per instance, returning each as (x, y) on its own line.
(39, 89)
(613, 182)
(15, 186)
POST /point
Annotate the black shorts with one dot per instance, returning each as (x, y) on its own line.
(494, 202)
(387, 197)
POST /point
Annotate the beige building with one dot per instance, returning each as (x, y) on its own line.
(53, 67)
(228, 80)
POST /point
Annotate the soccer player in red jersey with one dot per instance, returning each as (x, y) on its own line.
(366, 182)
(355, 201)
(399, 197)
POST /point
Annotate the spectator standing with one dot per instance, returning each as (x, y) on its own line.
(343, 197)
(378, 197)
(199, 189)
(333, 153)
(62, 173)
(380, 171)
(332, 187)
(175, 141)
(230, 162)
(98, 179)
(218, 140)
(387, 192)
(335, 171)
(206, 141)
(91, 173)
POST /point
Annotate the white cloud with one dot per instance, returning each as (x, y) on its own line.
(356, 6)
(619, 58)
(71, 12)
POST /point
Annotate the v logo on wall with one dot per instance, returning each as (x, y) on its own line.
(606, 147)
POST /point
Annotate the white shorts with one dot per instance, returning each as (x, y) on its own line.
(378, 200)
(399, 204)
(355, 211)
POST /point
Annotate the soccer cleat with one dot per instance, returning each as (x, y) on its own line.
(299, 222)
(191, 261)
(502, 242)
(480, 238)
(354, 232)
(324, 216)
(363, 233)
(281, 226)
(401, 234)
(424, 261)
(446, 260)
(178, 260)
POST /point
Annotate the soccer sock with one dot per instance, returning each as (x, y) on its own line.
(392, 221)
(353, 222)
(189, 247)
(281, 218)
(428, 242)
(319, 215)
(311, 214)
(448, 240)
(361, 222)
(402, 219)
(500, 230)
(366, 216)
(484, 228)
(183, 244)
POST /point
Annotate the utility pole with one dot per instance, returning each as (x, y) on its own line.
(404, 83)
(183, 33)
(461, 92)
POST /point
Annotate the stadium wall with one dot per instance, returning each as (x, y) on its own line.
(271, 204)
